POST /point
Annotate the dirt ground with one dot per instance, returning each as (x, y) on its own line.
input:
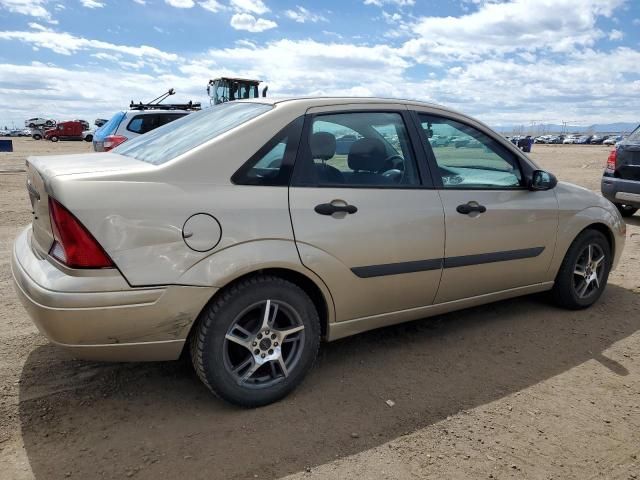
(517, 389)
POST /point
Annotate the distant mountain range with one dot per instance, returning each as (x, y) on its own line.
(620, 127)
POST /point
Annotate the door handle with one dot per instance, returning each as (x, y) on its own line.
(467, 208)
(330, 209)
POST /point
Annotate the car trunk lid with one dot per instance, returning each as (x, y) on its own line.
(40, 171)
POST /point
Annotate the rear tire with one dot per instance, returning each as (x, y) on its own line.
(88, 138)
(626, 210)
(54, 139)
(246, 360)
(37, 136)
(580, 282)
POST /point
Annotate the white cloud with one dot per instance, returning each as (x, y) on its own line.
(212, 5)
(245, 21)
(67, 44)
(252, 6)
(180, 3)
(399, 3)
(302, 15)
(37, 26)
(33, 8)
(140, 2)
(500, 28)
(616, 35)
(91, 4)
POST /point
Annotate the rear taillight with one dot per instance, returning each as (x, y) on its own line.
(73, 245)
(612, 160)
(112, 141)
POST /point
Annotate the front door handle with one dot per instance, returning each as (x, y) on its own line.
(330, 209)
(467, 208)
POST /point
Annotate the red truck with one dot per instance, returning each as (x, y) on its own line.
(71, 130)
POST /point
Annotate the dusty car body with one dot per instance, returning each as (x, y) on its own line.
(247, 206)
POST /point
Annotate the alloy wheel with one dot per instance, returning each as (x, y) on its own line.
(264, 344)
(588, 271)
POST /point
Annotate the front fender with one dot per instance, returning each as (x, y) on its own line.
(572, 223)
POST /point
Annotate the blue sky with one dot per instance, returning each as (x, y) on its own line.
(505, 62)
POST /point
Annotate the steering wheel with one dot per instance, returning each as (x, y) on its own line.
(395, 173)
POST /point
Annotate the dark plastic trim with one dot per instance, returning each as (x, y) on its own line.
(449, 262)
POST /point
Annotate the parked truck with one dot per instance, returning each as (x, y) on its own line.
(71, 130)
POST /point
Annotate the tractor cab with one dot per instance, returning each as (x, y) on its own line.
(225, 89)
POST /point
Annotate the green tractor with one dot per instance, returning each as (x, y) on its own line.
(226, 89)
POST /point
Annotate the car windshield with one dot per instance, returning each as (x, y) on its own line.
(175, 138)
(635, 135)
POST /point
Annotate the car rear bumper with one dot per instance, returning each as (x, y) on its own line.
(618, 190)
(97, 315)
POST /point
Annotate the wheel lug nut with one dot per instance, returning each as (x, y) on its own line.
(273, 336)
(253, 344)
(275, 344)
(263, 355)
(256, 351)
(266, 332)
(259, 336)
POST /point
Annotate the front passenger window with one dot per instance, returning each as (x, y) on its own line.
(468, 158)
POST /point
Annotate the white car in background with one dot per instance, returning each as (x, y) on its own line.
(570, 139)
(39, 122)
(139, 120)
(87, 135)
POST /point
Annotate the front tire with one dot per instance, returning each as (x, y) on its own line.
(626, 210)
(584, 271)
(256, 342)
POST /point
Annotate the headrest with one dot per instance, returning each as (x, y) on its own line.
(367, 154)
(323, 145)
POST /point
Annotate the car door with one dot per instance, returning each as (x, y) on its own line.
(499, 234)
(364, 215)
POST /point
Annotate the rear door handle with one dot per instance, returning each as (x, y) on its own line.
(467, 208)
(330, 209)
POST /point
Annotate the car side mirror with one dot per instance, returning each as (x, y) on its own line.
(542, 180)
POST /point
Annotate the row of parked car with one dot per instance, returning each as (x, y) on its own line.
(572, 139)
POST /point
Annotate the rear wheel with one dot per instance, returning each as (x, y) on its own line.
(54, 139)
(256, 342)
(584, 271)
(37, 136)
(88, 138)
(626, 210)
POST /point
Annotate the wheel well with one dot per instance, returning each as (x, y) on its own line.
(608, 234)
(302, 281)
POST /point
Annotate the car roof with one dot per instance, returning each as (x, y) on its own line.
(326, 101)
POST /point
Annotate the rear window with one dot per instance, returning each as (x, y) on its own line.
(175, 138)
(146, 122)
(111, 126)
(635, 135)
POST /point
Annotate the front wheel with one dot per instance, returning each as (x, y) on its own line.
(256, 342)
(626, 210)
(584, 271)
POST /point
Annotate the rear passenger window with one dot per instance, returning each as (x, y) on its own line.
(365, 149)
(145, 123)
(273, 163)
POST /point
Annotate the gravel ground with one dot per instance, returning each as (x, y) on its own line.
(517, 389)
